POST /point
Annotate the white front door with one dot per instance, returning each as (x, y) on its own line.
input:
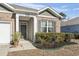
(4, 33)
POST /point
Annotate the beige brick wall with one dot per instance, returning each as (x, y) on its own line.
(8, 17)
(5, 16)
(58, 22)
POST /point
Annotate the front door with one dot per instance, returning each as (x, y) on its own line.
(23, 31)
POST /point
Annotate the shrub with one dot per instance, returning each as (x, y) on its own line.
(52, 39)
(15, 38)
(76, 35)
(68, 37)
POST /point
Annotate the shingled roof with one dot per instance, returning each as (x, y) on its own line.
(73, 21)
(22, 7)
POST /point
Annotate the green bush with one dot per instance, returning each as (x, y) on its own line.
(52, 39)
(76, 35)
(16, 36)
(68, 37)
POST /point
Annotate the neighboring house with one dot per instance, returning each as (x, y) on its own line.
(28, 21)
(71, 25)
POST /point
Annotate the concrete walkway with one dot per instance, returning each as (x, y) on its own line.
(24, 45)
(4, 48)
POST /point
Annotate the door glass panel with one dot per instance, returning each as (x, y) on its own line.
(43, 23)
(43, 26)
(50, 23)
(23, 31)
(43, 29)
(50, 29)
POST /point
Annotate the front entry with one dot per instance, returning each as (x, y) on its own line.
(23, 31)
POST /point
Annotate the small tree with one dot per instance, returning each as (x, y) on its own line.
(63, 14)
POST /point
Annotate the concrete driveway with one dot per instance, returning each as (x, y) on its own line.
(4, 48)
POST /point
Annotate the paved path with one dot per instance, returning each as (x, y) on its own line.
(4, 48)
(24, 45)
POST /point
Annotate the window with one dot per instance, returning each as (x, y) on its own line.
(51, 26)
(47, 26)
(43, 26)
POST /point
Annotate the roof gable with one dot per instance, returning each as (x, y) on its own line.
(51, 11)
(47, 13)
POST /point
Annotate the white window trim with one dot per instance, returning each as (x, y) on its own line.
(47, 27)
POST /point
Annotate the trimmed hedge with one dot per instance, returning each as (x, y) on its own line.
(49, 40)
(76, 35)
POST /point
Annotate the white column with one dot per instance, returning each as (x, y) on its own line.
(17, 22)
(35, 27)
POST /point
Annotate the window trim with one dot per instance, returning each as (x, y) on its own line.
(47, 26)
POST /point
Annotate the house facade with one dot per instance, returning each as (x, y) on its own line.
(71, 25)
(28, 21)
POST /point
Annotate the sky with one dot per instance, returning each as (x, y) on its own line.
(70, 9)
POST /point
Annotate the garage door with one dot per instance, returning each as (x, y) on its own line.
(4, 33)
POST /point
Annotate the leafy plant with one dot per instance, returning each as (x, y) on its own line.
(76, 35)
(16, 37)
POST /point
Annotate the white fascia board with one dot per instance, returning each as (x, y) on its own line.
(8, 6)
(5, 12)
(42, 9)
(56, 12)
(51, 10)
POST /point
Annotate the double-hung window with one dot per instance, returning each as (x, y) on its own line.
(43, 26)
(47, 26)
